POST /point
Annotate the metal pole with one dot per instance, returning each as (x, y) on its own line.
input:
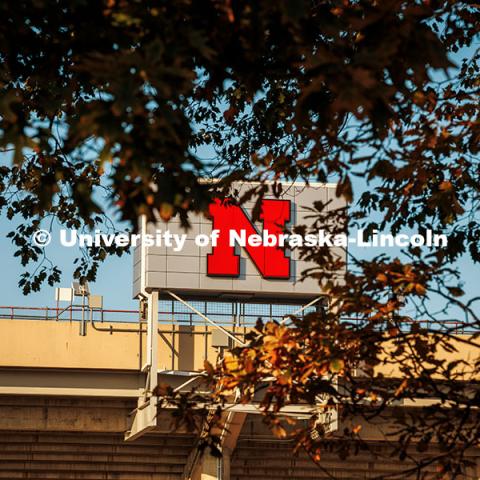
(83, 327)
(173, 347)
(152, 340)
(200, 314)
(296, 312)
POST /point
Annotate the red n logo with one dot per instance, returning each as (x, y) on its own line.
(270, 261)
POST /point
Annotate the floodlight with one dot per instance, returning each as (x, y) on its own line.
(95, 301)
(64, 295)
(80, 290)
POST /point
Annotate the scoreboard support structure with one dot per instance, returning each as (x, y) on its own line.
(261, 273)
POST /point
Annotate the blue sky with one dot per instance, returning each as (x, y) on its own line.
(114, 280)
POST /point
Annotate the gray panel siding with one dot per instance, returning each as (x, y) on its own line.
(185, 270)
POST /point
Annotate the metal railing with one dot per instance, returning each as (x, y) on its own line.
(12, 312)
(170, 312)
(227, 314)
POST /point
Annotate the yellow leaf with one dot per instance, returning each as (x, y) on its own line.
(279, 431)
(420, 289)
(446, 185)
(401, 388)
(208, 367)
(337, 365)
(166, 211)
(356, 429)
(381, 277)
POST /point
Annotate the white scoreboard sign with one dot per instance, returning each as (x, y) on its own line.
(229, 254)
